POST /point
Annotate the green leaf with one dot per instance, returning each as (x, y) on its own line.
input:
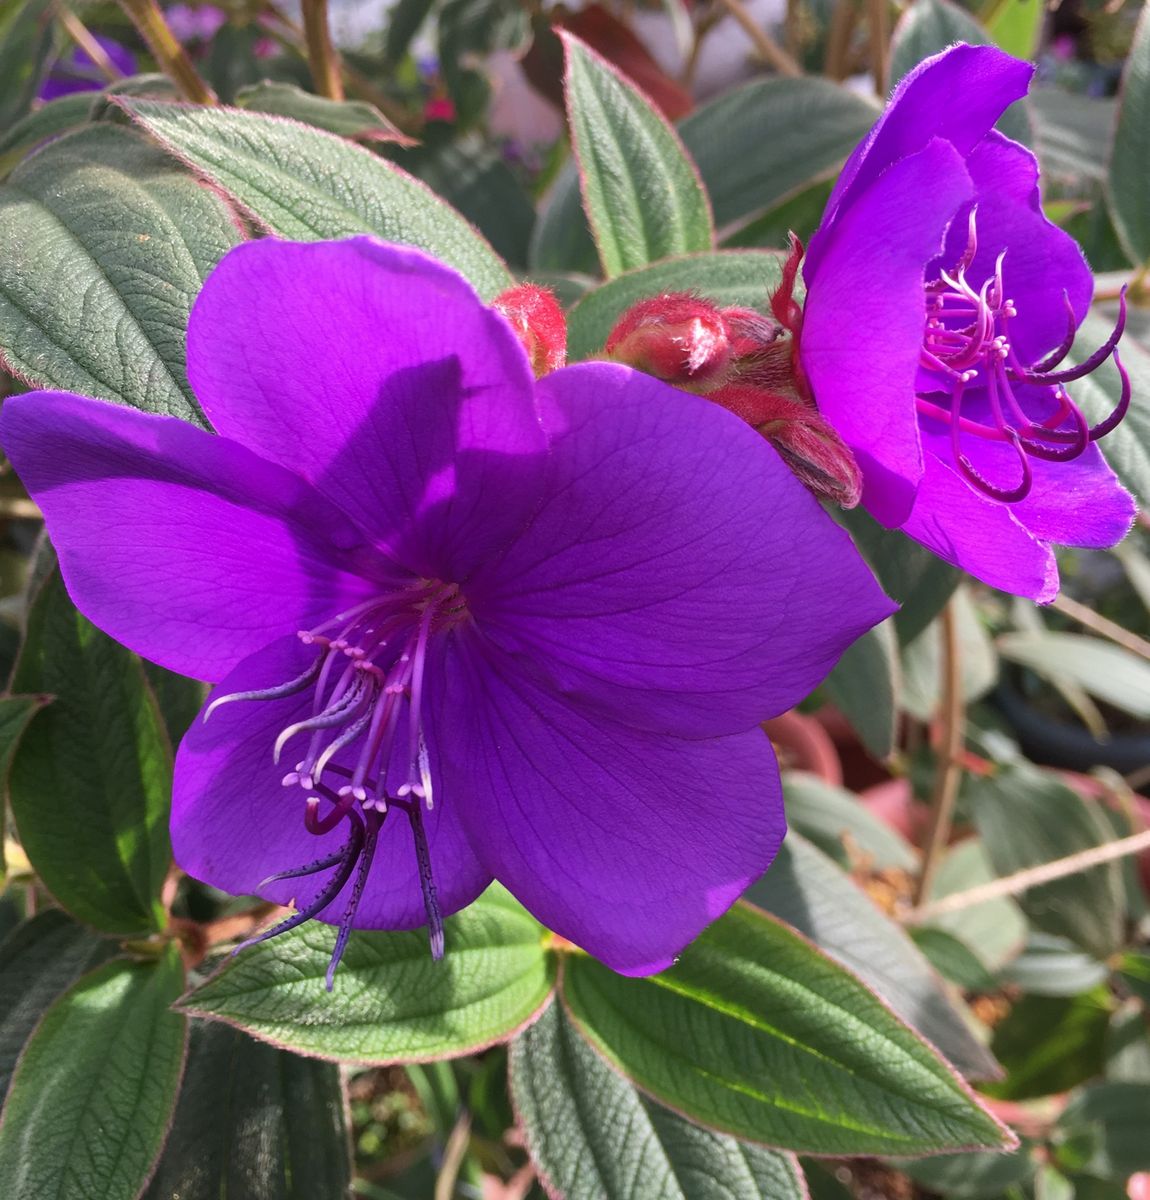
(15, 713)
(1127, 448)
(1053, 966)
(1015, 25)
(1027, 818)
(1074, 136)
(25, 39)
(736, 278)
(995, 930)
(830, 815)
(403, 23)
(310, 185)
(973, 1176)
(392, 1002)
(49, 120)
(561, 239)
(1129, 178)
(930, 26)
(94, 1091)
(1105, 670)
(180, 699)
(253, 1123)
(475, 179)
(1134, 971)
(922, 661)
(756, 1033)
(954, 960)
(1128, 1044)
(38, 960)
(805, 889)
(104, 244)
(759, 144)
(642, 193)
(592, 1136)
(865, 686)
(1049, 1044)
(1116, 1117)
(908, 572)
(91, 780)
(229, 62)
(799, 214)
(348, 118)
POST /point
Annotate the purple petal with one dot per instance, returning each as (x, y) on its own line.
(863, 325)
(1077, 503)
(185, 547)
(234, 824)
(77, 72)
(375, 373)
(676, 577)
(626, 843)
(1042, 261)
(979, 535)
(957, 95)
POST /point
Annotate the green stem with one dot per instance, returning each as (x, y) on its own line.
(168, 53)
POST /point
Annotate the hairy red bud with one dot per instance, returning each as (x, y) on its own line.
(802, 436)
(677, 337)
(536, 317)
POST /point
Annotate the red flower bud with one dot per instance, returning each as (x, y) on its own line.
(804, 439)
(677, 337)
(536, 317)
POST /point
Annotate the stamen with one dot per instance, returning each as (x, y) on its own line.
(966, 339)
(318, 825)
(1055, 357)
(320, 864)
(327, 719)
(381, 648)
(427, 882)
(1006, 495)
(1094, 361)
(273, 693)
(330, 890)
(1122, 407)
(374, 821)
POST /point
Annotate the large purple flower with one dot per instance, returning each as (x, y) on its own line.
(940, 301)
(497, 628)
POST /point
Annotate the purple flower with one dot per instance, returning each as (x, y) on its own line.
(76, 72)
(195, 22)
(496, 628)
(939, 369)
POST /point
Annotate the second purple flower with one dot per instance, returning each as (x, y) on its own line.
(940, 304)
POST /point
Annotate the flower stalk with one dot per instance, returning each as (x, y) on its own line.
(148, 18)
(82, 36)
(321, 54)
(1032, 877)
(768, 49)
(949, 774)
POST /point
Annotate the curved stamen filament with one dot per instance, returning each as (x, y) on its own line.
(331, 889)
(967, 342)
(291, 688)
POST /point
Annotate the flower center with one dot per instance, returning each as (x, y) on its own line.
(967, 346)
(365, 752)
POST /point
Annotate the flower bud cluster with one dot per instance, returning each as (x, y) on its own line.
(749, 363)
